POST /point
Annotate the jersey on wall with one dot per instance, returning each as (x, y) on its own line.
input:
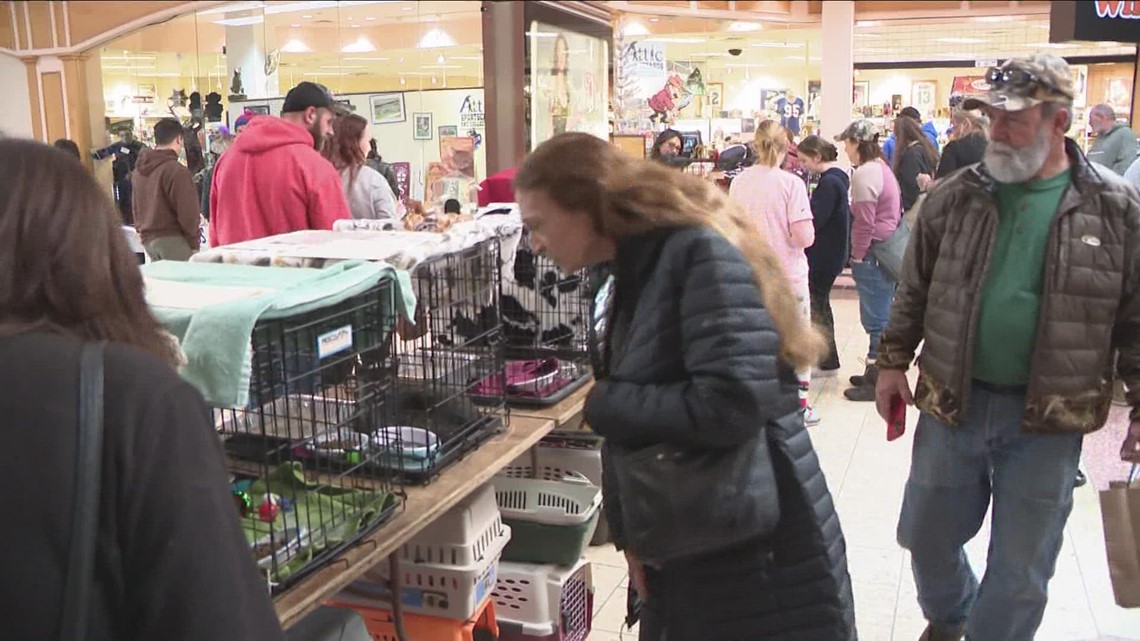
(790, 113)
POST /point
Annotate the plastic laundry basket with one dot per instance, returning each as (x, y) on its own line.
(550, 521)
(448, 569)
(543, 602)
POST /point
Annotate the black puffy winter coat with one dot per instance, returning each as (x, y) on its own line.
(700, 370)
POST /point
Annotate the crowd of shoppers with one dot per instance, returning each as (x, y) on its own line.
(709, 313)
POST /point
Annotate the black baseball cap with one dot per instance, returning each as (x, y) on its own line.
(308, 94)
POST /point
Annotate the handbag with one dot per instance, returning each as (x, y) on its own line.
(890, 252)
(678, 502)
(1120, 510)
(85, 502)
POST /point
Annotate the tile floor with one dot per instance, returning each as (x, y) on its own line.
(866, 475)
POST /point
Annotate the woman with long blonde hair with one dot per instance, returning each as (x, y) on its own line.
(777, 203)
(711, 485)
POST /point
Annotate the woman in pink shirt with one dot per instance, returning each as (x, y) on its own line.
(777, 201)
(876, 209)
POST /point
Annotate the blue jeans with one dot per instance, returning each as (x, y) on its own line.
(954, 472)
(876, 293)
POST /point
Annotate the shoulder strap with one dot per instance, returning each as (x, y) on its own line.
(85, 506)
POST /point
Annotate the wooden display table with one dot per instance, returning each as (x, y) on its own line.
(567, 415)
(423, 505)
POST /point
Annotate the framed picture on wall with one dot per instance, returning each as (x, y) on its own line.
(260, 110)
(387, 108)
(448, 130)
(859, 94)
(922, 97)
(421, 126)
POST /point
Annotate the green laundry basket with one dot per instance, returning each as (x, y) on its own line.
(551, 521)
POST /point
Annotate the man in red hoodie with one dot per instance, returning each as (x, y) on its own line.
(273, 180)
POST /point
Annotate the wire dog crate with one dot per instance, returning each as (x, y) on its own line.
(546, 316)
(449, 391)
(306, 450)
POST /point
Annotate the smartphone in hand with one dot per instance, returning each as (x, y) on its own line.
(896, 425)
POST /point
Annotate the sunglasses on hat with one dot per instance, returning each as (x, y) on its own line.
(1002, 78)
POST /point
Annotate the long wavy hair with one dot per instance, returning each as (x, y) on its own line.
(64, 263)
(626, 197)
(908, 132)
(343, 148)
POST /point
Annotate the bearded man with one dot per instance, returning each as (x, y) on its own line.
(272, 180)
(1023, 279)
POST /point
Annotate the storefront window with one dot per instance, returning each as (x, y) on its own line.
(413, 69)
(714, 80)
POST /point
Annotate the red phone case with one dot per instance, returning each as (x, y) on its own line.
(896, 426)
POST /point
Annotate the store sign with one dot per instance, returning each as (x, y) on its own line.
(471, 114)
(969, 86)
(1098, 21)
(644, 58)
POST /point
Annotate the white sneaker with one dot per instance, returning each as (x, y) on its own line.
(811, 419)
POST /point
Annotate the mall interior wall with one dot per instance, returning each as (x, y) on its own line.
(15, 100)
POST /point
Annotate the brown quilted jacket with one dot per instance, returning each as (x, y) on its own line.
(1090, 299)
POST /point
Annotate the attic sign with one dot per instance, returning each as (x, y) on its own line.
(471, 114)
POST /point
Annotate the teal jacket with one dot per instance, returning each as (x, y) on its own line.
(1115, 149)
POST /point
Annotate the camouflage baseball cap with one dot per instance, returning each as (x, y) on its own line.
(859, 131)
(1022, 83)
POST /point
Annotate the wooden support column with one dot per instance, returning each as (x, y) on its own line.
(34, 102)
(503, 68)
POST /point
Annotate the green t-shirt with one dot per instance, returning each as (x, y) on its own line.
(1011, 293)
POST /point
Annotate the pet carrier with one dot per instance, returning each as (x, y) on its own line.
(381, 624)
(447, 570)
(544, 603)
(545, 316)
(551, 520)
(441, 408)
(304, 441)
(453, 344)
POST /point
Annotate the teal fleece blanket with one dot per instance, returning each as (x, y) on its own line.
(212, 309)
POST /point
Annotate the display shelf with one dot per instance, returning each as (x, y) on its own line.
(422, 506)
(567, 415)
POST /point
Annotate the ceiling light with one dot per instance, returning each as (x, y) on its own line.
(362, 45)
(541, 34)
(403, 80)
(325, 73)
(407, 9)
(307, 17)
(295, 25)
(350, 18)
(343, 67)
(241, 22)
(797, 58)
(778, 45)
(743, 27)
(370, 18)
(433, 80)
(354, 26)
(993, 19)
(634, 28)
(869, 23)
(961, 41)
(436, 38)
(351, 59)
(653, 19)
(443, 66)
(295, 46)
